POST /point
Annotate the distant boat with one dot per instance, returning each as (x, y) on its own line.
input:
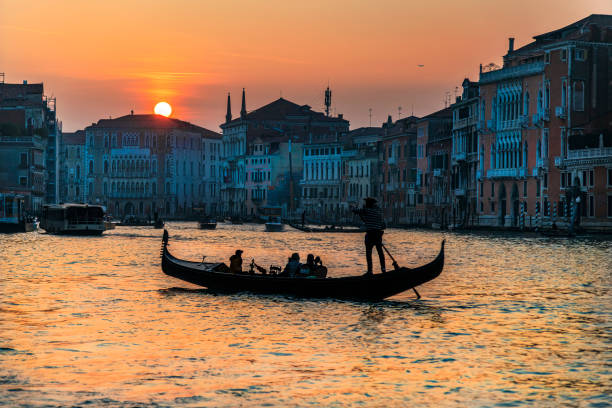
(12, 216)
(331, 229)
(207, 223)
(376, 287)
(133, 221)
(236, 220)
(275, 225)
(75, 219)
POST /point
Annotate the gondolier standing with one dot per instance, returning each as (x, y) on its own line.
(371, 215)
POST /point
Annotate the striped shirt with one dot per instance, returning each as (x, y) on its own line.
(372, 218)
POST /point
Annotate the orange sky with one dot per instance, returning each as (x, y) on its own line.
(104, 58)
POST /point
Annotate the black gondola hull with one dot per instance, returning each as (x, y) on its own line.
(368, 288)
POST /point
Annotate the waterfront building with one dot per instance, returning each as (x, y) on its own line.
(322, 179)
(434, 143)
(22, 173)
(546, 119)
(30, 112)
(464, 156)
(144, 165)
(271, 127)
(361, 167)
(72, 159)
(399, 170)
(273, 166)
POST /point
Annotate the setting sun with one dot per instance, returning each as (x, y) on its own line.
(163, 108)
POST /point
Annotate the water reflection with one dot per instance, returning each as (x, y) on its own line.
(513, 320)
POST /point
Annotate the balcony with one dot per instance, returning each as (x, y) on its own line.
(542, 162)
(460, 192)
(507, 173)
(590, 153)
(438, 172)
(539, 118)
(524, 121)
(561, 112)
(512, 72)
(461, 123)
(459, 156)
(598, 156)
(392, 160)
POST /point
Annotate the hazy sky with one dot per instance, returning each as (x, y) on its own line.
(104, 58)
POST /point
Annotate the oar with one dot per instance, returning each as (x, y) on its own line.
(396, 266)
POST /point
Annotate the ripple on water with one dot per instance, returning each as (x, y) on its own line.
(514, 320)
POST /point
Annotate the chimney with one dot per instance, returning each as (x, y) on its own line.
(228, 115)
(457, 99)
(25, 81)
(510, 44)
(132, 112)
(340, 116)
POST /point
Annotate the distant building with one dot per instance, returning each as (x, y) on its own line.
(22, 170)
(400, 179)
(464, 157)
(434, 145)
(144, 165)
(361, 166)
(272, 164)
(259, 141)
(72, 163)
(25, 107)
(546, 117)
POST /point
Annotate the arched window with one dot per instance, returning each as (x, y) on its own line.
(113, 187)
(492, 156)
(526, 103)
(91, 167)
(91, 192)
(105, 166)
(114, 166)
(78, 172)
(105, 188)
(154, 188)
(167, 187)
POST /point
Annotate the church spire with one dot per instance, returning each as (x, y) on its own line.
(228, 115)
(243, 111)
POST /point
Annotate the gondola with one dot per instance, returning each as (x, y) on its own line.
(327, 229)
(216, 277)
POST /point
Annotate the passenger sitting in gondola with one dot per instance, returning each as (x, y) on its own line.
(320, 271)
(236, 262)
(293, 266)
(308, 268)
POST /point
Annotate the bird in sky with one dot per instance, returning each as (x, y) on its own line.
(420, 65)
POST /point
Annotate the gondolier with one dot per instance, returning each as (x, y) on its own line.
(371, 215)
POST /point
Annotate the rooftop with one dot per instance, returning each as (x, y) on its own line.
(151, 121)
(282, 109)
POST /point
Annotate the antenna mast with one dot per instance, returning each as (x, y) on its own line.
(370, 116)
(327, 100)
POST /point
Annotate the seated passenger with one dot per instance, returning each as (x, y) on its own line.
(309, 267)
(293, 266)
(319, 271)
(236, 262)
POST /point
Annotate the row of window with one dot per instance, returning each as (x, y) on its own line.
(559, 209)
(134, 139)
(322, 151)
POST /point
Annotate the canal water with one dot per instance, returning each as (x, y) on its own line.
(512, 321)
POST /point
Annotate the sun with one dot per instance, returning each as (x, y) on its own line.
(163, 108)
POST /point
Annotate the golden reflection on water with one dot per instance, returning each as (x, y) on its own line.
(515, 320)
